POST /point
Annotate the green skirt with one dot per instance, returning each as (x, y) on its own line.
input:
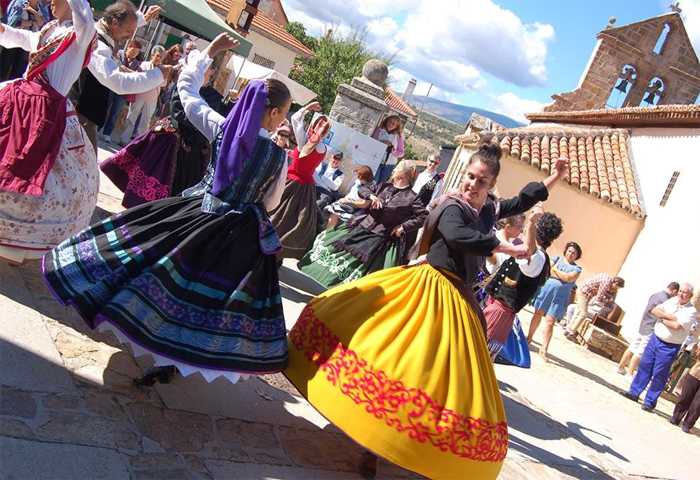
(329, 264)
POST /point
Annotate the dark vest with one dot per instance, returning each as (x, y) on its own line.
(92, 98)
(513, 287)
(336, 174)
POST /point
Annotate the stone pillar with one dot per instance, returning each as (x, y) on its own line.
(360, 105)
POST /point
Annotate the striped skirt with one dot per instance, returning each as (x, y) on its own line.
(193, 289)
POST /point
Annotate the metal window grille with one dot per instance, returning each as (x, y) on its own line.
(265, 62)
(669, 188)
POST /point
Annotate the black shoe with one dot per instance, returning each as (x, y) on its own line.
(629, 396)
(162, 375)
(647, 408)
(686, 429)
(674, 421)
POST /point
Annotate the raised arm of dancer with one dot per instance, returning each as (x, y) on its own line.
(298, 125)
(561, 166)
(199, 113)
(18, 38)
(83, 23)
(533, 192)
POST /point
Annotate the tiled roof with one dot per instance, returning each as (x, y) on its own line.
(268, 28)
(599, 162)
(660, 115)
(395, 102)
(275, 32)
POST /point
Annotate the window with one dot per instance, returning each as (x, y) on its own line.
(661, 41)
(653, 93)
(669, 188)
(623, 85)
(265, 62)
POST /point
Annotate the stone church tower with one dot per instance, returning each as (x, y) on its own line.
(646, 63)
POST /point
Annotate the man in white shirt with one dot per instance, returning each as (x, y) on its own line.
(329, 177)
(104, 71)
(675, 318)
(429, 182)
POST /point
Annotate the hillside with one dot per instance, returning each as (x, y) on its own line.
(458, 114)
(430, 132)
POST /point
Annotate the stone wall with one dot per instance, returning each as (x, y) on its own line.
(359, 105)
(677, 65)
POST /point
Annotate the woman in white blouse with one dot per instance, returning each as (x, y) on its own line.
(55, 195)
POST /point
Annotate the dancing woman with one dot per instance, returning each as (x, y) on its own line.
(192, 280)
(398, 359)
(297, 218)
(48, 178)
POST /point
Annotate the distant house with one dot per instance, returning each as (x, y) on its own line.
(273, 46)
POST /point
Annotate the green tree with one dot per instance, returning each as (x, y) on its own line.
(409, 152)
(298, 31)
(337, 59)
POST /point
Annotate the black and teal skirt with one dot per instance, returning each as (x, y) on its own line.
(196, 290)
(344, 254)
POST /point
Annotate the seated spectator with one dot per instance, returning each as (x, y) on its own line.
(350, 204)
(600, 290)
(329, 177)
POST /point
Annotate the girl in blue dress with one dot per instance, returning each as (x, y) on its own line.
(554, 295)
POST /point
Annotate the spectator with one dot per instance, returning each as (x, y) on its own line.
(553, 298)
(675, 317)
(129, 59)
(346, 207)
(687, 409)
(389, 133)
(600, 290)
(328, 178)
(429, 181)
(634, 352)
(27, 15)
(144, 105)
(104, 72)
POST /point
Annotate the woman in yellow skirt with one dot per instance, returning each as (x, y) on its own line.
(398, 359)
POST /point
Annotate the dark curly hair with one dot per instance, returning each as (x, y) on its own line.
(548, 229)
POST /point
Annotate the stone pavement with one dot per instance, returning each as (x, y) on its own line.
(68, 410)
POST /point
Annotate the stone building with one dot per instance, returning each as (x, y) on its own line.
(631, 196)
(646, 63)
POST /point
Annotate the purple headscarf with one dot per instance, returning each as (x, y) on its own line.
(240, 132)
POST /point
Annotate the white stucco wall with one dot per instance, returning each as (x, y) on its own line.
(283, 57)
(667, 247)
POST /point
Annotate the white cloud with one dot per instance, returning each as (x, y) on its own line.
(690, 11)
(450, 46)
(515, 107)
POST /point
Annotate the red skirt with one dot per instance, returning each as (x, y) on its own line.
(32, 123)
(499, 321)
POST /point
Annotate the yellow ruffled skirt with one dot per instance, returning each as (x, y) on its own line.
(398, 360)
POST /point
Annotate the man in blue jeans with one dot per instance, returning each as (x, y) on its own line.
(129, 58)
(675, 318)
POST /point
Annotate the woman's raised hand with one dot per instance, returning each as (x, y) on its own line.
(221, 43)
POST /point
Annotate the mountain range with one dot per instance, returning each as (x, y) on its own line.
(458, 114)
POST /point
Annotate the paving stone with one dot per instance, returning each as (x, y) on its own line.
(28, 355)
(197, 467)
(17, 403)
(257, 435)
(104, 405)
(222, 470)
(155, 461)
(150, 446)
(178, 431)
(11, 427)
(24, 459)
(319, 449)
(225, 451)
(62, 401)
(80, 428)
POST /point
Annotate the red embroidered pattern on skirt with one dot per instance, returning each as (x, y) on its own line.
(145, 186)
(408, 410)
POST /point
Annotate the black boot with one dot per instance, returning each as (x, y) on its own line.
(368, 466)
(162, 375)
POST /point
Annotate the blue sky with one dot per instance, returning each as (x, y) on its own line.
(505, 55)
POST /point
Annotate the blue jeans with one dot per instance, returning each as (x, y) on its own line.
(116, 102)
(654, 367)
